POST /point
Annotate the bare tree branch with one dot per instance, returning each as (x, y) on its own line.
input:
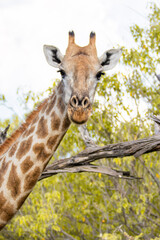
(150, 172)
(48, 172)
(157, 76)
(81, 162)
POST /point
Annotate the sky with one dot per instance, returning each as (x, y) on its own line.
(26, 25)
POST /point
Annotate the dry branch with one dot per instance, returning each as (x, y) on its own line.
(81, 162)
(50, 171)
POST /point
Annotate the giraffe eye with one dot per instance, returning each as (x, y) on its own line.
(62, 72)
(99, 74)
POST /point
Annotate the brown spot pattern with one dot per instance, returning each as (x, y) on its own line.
(57, 144)
(22, 200)
(4, 168)
(24, 148)
(41, 153)
(33, 117)
(26, 164)
(52, 141)
(14, 182)
(55, 121)
(12, 150)
(7, 212)
(66, 123)
(42, 130)
(35, 120)
(61, 88)
(2, 225)
(51, 105)
(61, 105)
(29, 131)
(2, 199)
(1, 179)
(31, 179)
(46, 163)
(43, 109)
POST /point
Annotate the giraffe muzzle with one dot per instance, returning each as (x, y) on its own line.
(79, 109)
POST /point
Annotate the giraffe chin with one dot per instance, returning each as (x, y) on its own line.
(79, 115)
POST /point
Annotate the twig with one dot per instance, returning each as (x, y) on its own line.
(150, 172)
(157, 76)
(86, 137)
(67, 234)
(124, 233)
(155, 119)
(153, 206)
(153, 222)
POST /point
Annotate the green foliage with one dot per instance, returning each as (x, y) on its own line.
(95, 206)
(2, 98)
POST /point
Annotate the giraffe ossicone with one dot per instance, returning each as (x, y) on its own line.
(25, 154)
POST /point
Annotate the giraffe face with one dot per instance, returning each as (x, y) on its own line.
(80, 70)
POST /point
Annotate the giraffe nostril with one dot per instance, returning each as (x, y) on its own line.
(85, 102)
(74, 101)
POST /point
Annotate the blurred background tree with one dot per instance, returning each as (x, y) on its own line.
(93, 206)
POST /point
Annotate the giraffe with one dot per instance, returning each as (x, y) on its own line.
(25, 154)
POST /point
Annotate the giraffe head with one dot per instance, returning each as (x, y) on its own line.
(80, 70)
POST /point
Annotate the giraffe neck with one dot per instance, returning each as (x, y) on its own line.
(23, 163)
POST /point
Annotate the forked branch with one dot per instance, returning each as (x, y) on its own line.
(82, 161)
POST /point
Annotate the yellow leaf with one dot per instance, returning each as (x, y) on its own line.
(135, 137)
(56, 228)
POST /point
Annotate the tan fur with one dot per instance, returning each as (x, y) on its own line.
(80, 115)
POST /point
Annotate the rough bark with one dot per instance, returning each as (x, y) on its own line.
(82, 161)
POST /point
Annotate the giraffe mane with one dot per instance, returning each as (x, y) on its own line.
(18, 132)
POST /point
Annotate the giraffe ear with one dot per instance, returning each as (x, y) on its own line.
(110, 58)
(53, 55)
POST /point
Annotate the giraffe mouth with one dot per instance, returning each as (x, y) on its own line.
(79, 115)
